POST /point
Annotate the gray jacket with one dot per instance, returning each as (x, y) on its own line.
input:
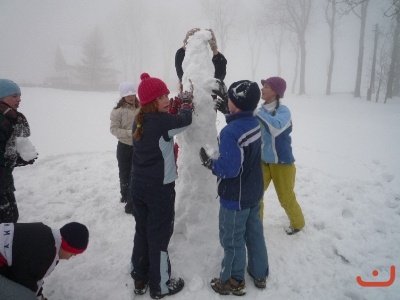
(121, 123)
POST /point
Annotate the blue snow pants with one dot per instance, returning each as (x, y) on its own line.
(239, 229)
(154, 212)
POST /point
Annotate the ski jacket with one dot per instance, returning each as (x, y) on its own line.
(218, 60)
(275, 132)
(121, 122)
(238, 167)
(153, 157)
(30, 251)
(12, 125)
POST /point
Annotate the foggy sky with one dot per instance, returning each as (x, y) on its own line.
(31, 29)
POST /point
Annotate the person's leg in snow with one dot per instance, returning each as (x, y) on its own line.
(8, 208)
(154, 212)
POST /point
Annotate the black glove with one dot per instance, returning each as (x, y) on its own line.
(222, 91)
(205, 159)
(221, 105)
(20, 162)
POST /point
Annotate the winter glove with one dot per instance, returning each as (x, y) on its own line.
(187, 99)
(20, 162)
(189, 33)
(175, 105)
(213, 41)
(221, 103)
(205, 159)
(222, 90)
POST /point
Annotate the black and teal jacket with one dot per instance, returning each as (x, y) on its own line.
(153, 159)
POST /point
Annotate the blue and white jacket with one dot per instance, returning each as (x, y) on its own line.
(153, 157)
(275, 131)
(238, 167)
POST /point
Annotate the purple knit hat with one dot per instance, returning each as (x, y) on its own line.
(277, 84)
(150, 88)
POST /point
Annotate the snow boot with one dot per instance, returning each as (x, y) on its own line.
(175, 285)
(140, 287)
(291, 231)
(259, 283)
(231, 286)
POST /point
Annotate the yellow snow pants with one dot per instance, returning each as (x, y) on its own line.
(283, 177)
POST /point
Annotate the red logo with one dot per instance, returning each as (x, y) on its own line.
(378, 283)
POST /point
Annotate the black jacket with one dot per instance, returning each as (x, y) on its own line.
(218, 60)
(33, 253)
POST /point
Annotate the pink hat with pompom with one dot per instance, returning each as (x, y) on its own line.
(150, 88)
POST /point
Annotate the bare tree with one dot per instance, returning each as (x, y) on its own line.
(371, 88)
(359, 8)
(275, 18)
(382, 63)
(394, 55)
(129, 40)
(299, 11)
(330, 16)
(222, 19)
(254, 41)
(393, 10)
(296, 49)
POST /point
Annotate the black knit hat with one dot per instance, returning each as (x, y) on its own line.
(244, 94)
(75, 237)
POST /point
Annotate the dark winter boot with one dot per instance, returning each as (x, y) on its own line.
(175, 286)
(140, 287)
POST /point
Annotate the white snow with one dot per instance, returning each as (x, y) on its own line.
(348, 175)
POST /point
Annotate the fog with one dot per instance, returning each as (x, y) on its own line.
(142, 36)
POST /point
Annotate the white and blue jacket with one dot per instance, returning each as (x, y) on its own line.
(275, 131)
(238, 167)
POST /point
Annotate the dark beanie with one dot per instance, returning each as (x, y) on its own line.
(244, 94)
(75, 237)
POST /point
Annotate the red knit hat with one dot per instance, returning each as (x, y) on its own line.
(74, 237)
(150, 88)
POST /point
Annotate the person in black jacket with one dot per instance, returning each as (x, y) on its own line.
(153, 186)
(29, 252)
(14, 129)
(218, 58)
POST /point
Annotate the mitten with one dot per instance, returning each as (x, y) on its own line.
(175, 105)
(189, 33)
(187, 99)
(20, 162)
(205, 159)
(213, 41)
